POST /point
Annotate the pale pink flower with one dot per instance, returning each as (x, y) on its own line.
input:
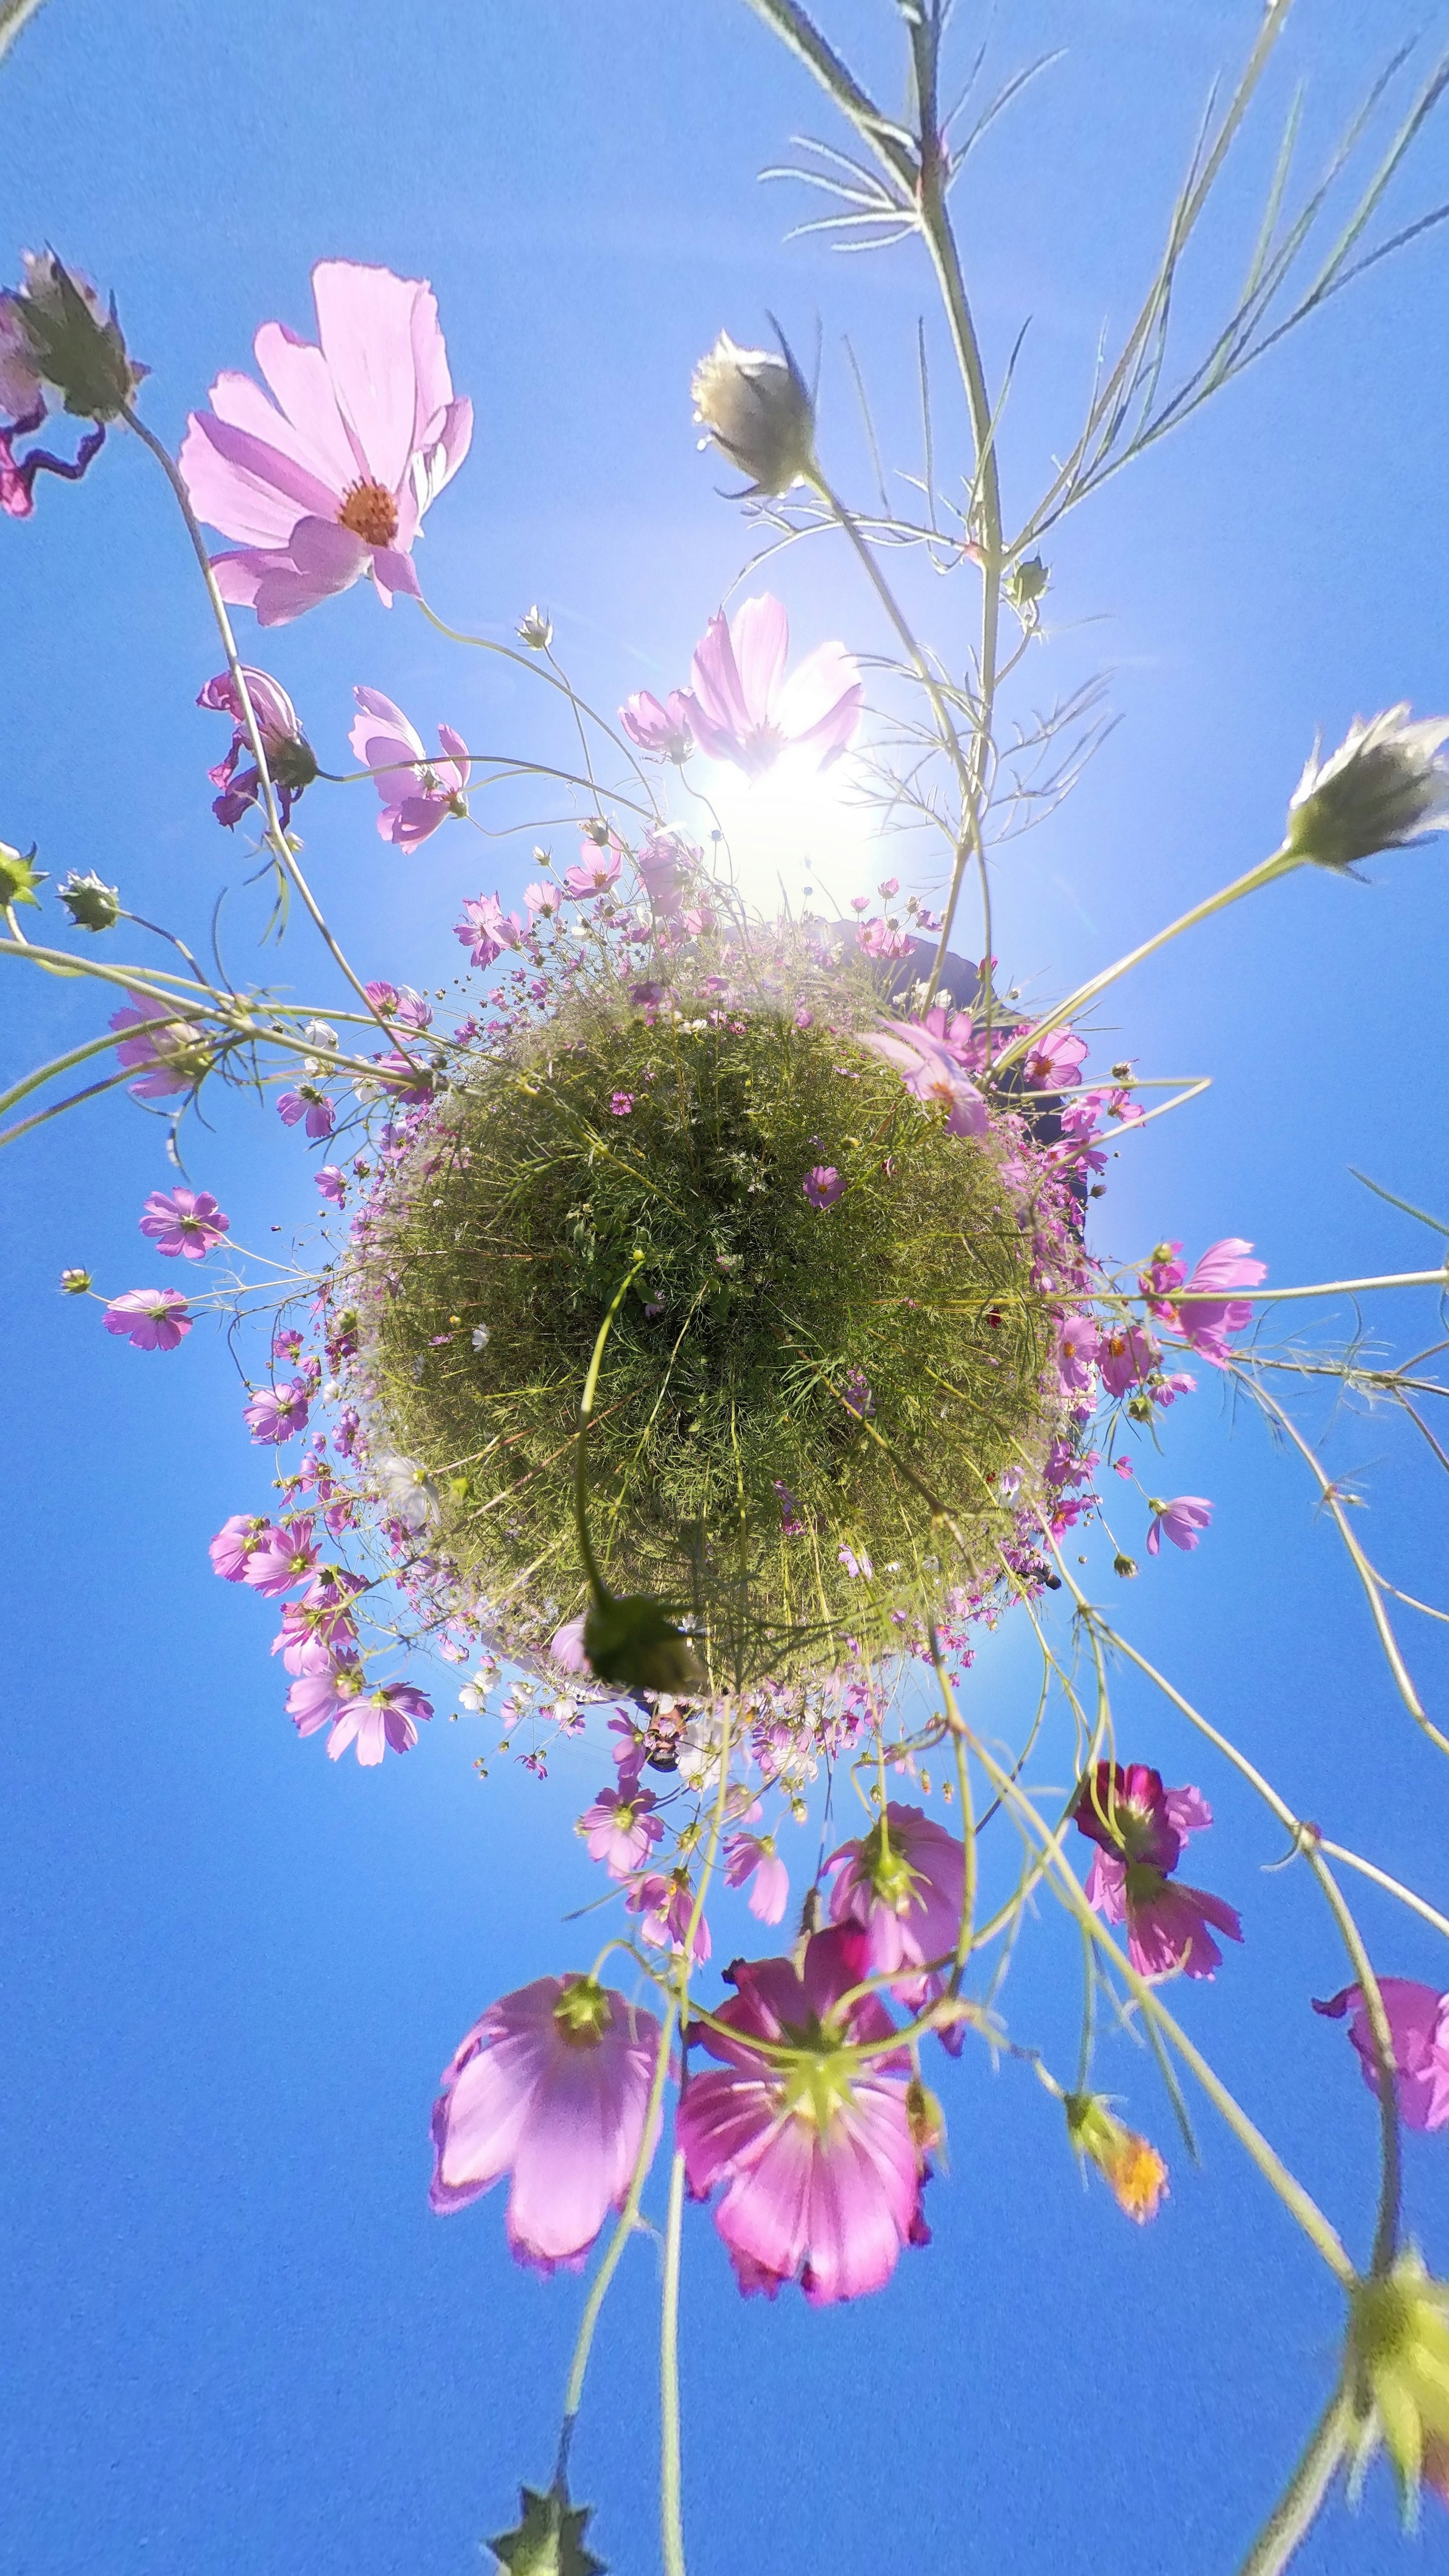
(1053, 1062)
(236, 1542)
(1140, 1828)
(858, 1566)
(543, 898)
(278, 1412)
(1182, 1520)
(152, 1319)
(308, 1103)
(291, 762)
(1078, 1342)
(184, 1221)
(418, 791)
(1126, 1353)
(666, 1906)
(823, 1185)
(931, 1071)
(379, 1721)
(332, 479)
(821, 2170)
(551, 2087)
(486, 929)
(1206, 1314)
(621, 1829)
(597, 870)
(662, 730)
(622, 1104)
(664, 867)
(566, 1646)
(742, 708)
(173, 1054)
(285, 1557)
(903, 1884)
(1418, 2020)
(399, 1002)
(331, 1180)
(753, 1856)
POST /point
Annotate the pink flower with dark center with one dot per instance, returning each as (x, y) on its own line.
(1126, 1353)
(622, 1104)
(332, 479)
(1206, 1314)
(823, 1186)
(152, 1319)
(331, 1180)
(418, 792)
(278, 1412)
(1053, 1063)
(291, 762)
(662, 730)
(1140, 1828)
(285, 1557)
(621, 1829)
(742, 708)
(550, 2087)
(184, 1221)
(236, 1542)
(309, 1103)
(174, 1054)
(1418, 2020)
(1183, 1521)
(753, 1856)
(486, 929)
(903, 1885)
(931, 1072)
(597, 870)
(1078, 1343)
(543, 899)
(821, 2171)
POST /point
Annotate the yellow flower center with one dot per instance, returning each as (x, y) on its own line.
(370, 511)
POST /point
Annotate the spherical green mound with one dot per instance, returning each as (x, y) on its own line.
(803, 1411)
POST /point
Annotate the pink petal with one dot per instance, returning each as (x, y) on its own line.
(245, 487)
(328, 555)
(308, 426)
(365, 325)
(760, 642)
(393, 571)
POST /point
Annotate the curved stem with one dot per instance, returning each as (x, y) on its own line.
(1297, 2507)
(597, 1585)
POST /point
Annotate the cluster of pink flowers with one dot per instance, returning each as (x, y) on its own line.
(1141, 1829)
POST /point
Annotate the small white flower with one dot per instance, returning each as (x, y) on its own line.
(1380, 789)
(319, 1033)
(410, 1495)
(479, 1337)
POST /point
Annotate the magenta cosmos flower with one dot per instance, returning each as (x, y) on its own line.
(1140, 1829)
(754, 1857)
(291, 762)
(1206, 1313)
(375, 1722)
(931, 1071)
(823, 1186)
(1125, 1355)
(278, 1412)
(486, 929)
(1053, 1063)
(283, 1557)
(902, 1884)
(663, 730)
(597, 871)
(152, 1319)
(172, 1054)
(1078, 1343)
(1418, 2021)
(308, 1103)
(1183, 1521)
(330, 479)
(418, 792)
(551, 2087)
(236, 1542)
(742, 708)
(621, 1829)
(188, 1222)
(821, 2171)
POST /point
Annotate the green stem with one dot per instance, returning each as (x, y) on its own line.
(597, 1585)
(1293, 2515)
(624, 2229)
(671, 2522)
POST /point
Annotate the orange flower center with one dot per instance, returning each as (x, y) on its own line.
(370, 511)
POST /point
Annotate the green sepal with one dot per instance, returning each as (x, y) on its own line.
(549, 2541)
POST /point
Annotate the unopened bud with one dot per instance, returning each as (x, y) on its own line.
(1024, 585)
(75, 1283)
(1380, 789)
(757, 409)
(91, 903)
(927, 2119)
(549, 2540)
(18, 877)
(1397, 2372)
(74, 344)
(536, 630)
(1124, 1565)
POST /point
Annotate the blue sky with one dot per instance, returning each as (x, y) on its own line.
(236, 2339)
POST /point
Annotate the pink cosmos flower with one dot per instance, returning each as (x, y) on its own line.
(1125, 1355)
(663, 866)
(822, 1186)
(1053, 1063)
(418, 792)
(330, 480)
(1207, 1315)
(931, 1071)
(184, 1221)
(902, 1883)
(858, 1567)
(378, 1721)
(858, 1397)
(291, 762)
(622, 1104)
(321, 1626)
(278, 1412)
(543, 899)
(1078, 1342)
(753, 1856)
(331, 1180)
(1140, 1828)
(662, 730)
(742, 708)
(236, 1542)
(172, 1053)
(1418, 2020)
(621, 1829)
(1183, 1521)
(566, 1646)
(597, 871)
(399, 1002)
(665, 1905)
(309, 1103)
(152, 1319)
(551, 2087)
(283, 1558)
(486, 929)
(822, 2173)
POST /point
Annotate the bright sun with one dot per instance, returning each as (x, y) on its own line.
(794, 830)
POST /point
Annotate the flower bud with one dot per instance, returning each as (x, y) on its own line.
(1380, 789)
(1123, 1564)
(1024, 585)
(91, 903)
(75, 1283)
(1131, 2167)
(536, 630)
(633, 1643)
(757, 409)
(549, 2541)
(18, 877)
(73, 344)
(1397, 2370)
